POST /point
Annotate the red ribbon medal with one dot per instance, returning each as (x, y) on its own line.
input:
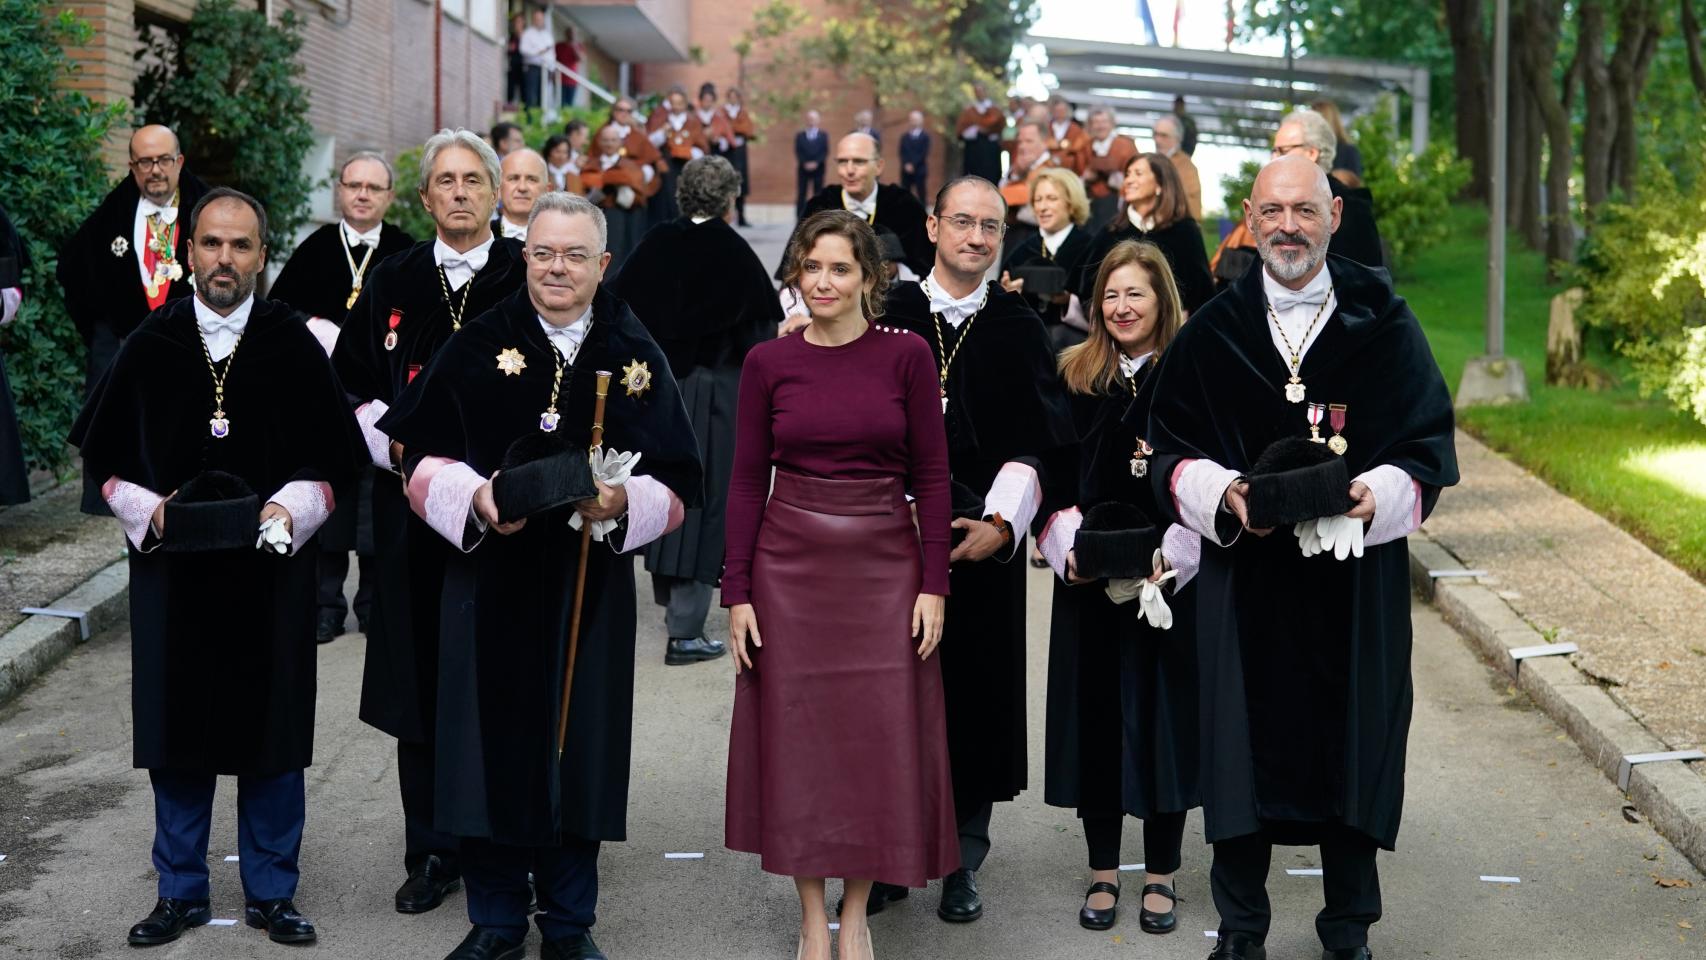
(1336, 417)
(394, 322)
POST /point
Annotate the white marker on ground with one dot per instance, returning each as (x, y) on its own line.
(222, 923)
(1304, 872)
(684, 856)
(1489, 879)
(231, 859)
(1130, 867)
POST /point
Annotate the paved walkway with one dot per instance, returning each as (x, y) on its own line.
(1637, 618)
(47, 548)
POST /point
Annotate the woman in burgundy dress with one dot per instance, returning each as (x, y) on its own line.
(838, 757)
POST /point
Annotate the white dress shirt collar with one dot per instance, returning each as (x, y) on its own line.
(459, 268)
(1101, 147)
(352, 236)
(513, 231)
(568, 339)
(1060, 128)
(1301, 314)
(983, 105)
(1052, 241)
(677, 120)
(621, 128)
(1130, 365)
(866, 208)
(955, 311)
(221, 333)
(1144, 222)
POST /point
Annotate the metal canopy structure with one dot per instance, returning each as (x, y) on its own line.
(1236, 98)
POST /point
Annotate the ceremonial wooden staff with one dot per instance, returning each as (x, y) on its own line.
(599, 393)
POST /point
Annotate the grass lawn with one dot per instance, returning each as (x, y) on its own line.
(1629, 459)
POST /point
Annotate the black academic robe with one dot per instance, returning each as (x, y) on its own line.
(1005, 403)
(14, 475)
(1181, 242)
(1118, 687)
(898, 210)
(507, 603)
(1070, 257)
(1305, 663)
(1358, 238)
(399, 678)
(702, 294)
(222, 642)
(316, 278)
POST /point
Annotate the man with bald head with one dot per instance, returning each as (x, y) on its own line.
(129, 257)
(1305, 431)
(1169, 135)
(858, 163)
(524, 178)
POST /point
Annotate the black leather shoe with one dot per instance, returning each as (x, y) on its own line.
(693, 650)
(578, 946)
(427, 884)
(280, 920)
(168, 921)
(1348, 953)
(882, 894)
(960, 902)
(1152, 922)
(482, 944)
(1092, 919)
(329, 626)
(1238, 946)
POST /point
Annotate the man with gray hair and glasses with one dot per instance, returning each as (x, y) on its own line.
(1307, 133)
(496, 432)
(409, 307)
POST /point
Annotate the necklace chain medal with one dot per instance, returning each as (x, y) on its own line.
(941, 347)
(1294, 388)
(455, 309)
(1336, 417)
(1140, 458)
(1316, 411)
(219, 425)
(550, 418)
(357, 274)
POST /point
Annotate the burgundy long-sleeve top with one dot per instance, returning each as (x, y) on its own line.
(868, 408)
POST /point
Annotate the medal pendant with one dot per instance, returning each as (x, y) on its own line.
(151, 288)
(1139, 467)
(1338, 444)
(548, 421)
(391, 340)
(1316, 410)
(1336, 418)
(1294, 390)
(350, 303)
(944, 404)
(219, 426)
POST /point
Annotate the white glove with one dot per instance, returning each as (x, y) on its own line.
(1153, 603)
(1123, 590)
(1308, 537)
(273, 536)
(1342, 535)
(613, 468)
(625, 197)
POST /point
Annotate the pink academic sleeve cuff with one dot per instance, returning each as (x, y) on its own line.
(1182, 549)
(653, 510)
(441, 492)
(1057, 538)
(1397, 504)
(324, 331)
(309, 503)
(134, 507)
(1199, 487)
(378, 444)
(1016, 494)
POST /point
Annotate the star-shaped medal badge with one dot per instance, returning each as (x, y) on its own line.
(120, 246)
(511, 362)
(636, 377)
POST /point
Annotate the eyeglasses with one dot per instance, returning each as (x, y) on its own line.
(964, 224)
(359, 187)
(546, 257)
(1280, 151)
(163, 162)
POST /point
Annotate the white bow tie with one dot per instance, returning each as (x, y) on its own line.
(368, 239)
(212, 323)
(953, 310)
(864, 208)
(1307, 297)
(166, 214)
(474, 260)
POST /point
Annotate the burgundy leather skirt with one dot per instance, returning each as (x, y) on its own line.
(838, 753)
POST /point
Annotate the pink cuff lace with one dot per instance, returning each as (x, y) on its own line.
(309, 503)
(134, 506)
(1057, 538)
(378, 444)
(653, 510)
(441, 492)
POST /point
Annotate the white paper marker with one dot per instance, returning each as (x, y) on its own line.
(231, 859)
(834, 926)
(1212, 933)
(1130, 867)
(1501, 879)
(1304, 872)
(1455, 572)
(684, 856)
(222, 923)
(2, 857)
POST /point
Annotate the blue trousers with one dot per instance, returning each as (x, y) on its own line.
(565, 879)
(270, 813)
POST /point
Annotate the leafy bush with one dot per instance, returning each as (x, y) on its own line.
(1236, 187)
(1412, 194)
(230, 89)
(50, 162)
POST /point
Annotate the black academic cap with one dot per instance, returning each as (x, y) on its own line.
(212, 511)
(1296, 479)
(1115, 540)
(1042, 279)
(540, 472)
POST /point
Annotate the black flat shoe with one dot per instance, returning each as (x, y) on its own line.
(427, 885)
(1149, 920)
(577, 946)
(882, 894)
(1348, 953)
(693, 650)
(280, 920)
(483, 944)
(960, 902)
(1092, 919)
(1238, 946)
(328, 627)
(168, 921)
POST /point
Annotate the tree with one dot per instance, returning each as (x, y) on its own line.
(1471, 88)
(50, 161)
(1540, 22)
(230, 88)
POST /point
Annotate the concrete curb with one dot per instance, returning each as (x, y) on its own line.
(31, 648)
(1668, 794)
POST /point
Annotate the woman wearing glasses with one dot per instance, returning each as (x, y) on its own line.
(838, 758)
(1154, 208)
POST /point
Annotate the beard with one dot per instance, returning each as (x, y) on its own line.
(1288, 266)
(223, 298)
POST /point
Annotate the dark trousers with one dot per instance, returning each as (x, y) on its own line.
(565, 879)
(808, 183)
(270, 812)
(915, 181)
(334, 570)
(1163, 836)
(532, 76)
(1350, 883)
(414, 781)
(686, 603)
(974, 833)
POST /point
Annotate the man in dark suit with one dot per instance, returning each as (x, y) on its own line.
(864, 123)
(811, 151)
(915, 157)
(127, 259)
